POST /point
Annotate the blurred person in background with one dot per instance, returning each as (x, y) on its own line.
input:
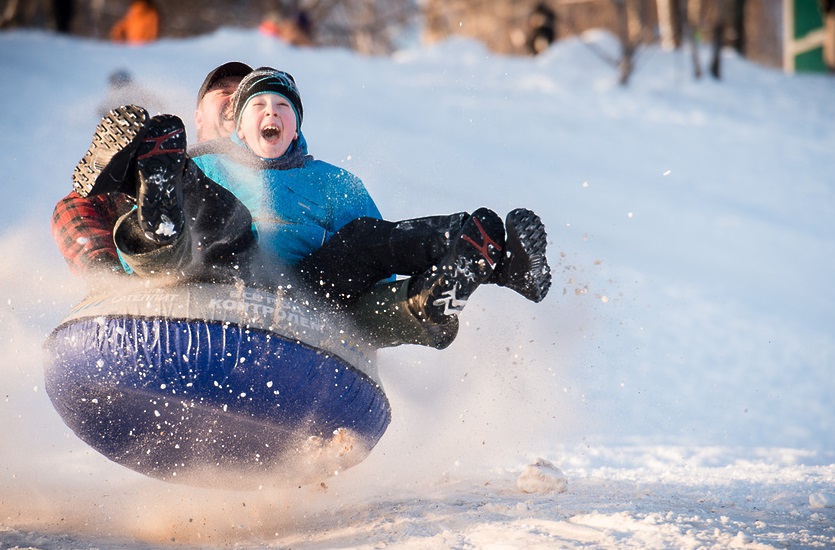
(124, 90)
(542, 25)
(296, 31)
(64, 11)
(139, 25)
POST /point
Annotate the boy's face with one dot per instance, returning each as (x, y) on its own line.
(213, 117)
(268, 125)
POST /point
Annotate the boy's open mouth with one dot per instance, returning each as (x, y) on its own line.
(270, 133)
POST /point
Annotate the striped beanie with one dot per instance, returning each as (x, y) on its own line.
(266, 80)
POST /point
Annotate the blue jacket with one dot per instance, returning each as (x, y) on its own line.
(297, 202)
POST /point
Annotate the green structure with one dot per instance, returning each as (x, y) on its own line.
(803, 36)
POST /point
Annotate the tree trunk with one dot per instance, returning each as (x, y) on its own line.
(626, 65)
(669, 24)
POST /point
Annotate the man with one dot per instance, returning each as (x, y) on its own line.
(213, 118)
(83, 227)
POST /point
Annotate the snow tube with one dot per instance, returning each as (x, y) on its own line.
(216, 385)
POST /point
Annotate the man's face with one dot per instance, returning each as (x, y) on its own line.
(213, 117)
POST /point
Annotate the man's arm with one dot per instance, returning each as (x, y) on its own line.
(83, 230)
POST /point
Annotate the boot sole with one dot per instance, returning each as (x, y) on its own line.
(105, 165)
(526, 247)
(160, 161)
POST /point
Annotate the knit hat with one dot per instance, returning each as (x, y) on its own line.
(233, 68)
(266, 80)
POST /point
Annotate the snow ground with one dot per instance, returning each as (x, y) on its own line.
(679, 375)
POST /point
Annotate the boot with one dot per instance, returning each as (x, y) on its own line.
(524, 267)
(385, 322)
(106, 167)
(441, 335)
(160, 160)
(443, 291)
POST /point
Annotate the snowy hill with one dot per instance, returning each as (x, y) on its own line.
(679, 374)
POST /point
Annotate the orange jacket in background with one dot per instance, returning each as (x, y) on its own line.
(140, 24)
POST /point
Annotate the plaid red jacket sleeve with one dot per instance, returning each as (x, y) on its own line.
(83, 230)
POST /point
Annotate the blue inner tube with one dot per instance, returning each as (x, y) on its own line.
(216, 385)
